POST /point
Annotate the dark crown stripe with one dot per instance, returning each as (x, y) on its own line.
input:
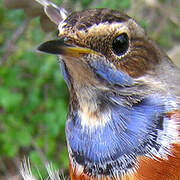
(94, 16)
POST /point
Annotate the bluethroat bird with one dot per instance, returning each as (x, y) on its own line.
(124, 110)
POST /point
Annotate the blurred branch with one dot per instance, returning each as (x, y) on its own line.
(10, 43)
(33, 9)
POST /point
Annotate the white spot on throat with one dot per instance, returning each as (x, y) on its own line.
(93, 120)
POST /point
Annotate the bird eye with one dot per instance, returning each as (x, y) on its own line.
(120, 44)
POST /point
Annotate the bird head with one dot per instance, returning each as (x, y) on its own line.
(103, 48)
(114, 36)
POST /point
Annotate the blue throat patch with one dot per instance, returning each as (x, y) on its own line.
(131, 132)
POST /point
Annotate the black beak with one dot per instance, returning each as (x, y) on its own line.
(53, 47)
(59, 47)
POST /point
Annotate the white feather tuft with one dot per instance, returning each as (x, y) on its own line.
(26, 172)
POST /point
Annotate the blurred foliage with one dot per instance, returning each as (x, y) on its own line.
(33, 98)
(118, 4)
(33, 94)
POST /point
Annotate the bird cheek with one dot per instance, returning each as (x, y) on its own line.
(81, 75)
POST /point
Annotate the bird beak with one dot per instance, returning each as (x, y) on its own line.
(59, 47)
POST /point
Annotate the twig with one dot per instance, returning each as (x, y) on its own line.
(10, 43)
(3, 167)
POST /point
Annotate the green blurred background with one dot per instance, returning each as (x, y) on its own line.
(33, 94)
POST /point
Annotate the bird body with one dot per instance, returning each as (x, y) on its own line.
(123, 121)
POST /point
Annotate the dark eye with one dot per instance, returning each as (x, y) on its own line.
(120, 44)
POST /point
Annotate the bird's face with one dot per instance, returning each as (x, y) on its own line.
(120, 91)
(102, 48)
(106, 36)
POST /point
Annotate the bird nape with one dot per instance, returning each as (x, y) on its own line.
(124, 109)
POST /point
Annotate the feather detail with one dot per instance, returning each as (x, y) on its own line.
(26, 172)
(166, 169)
(155, 169)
